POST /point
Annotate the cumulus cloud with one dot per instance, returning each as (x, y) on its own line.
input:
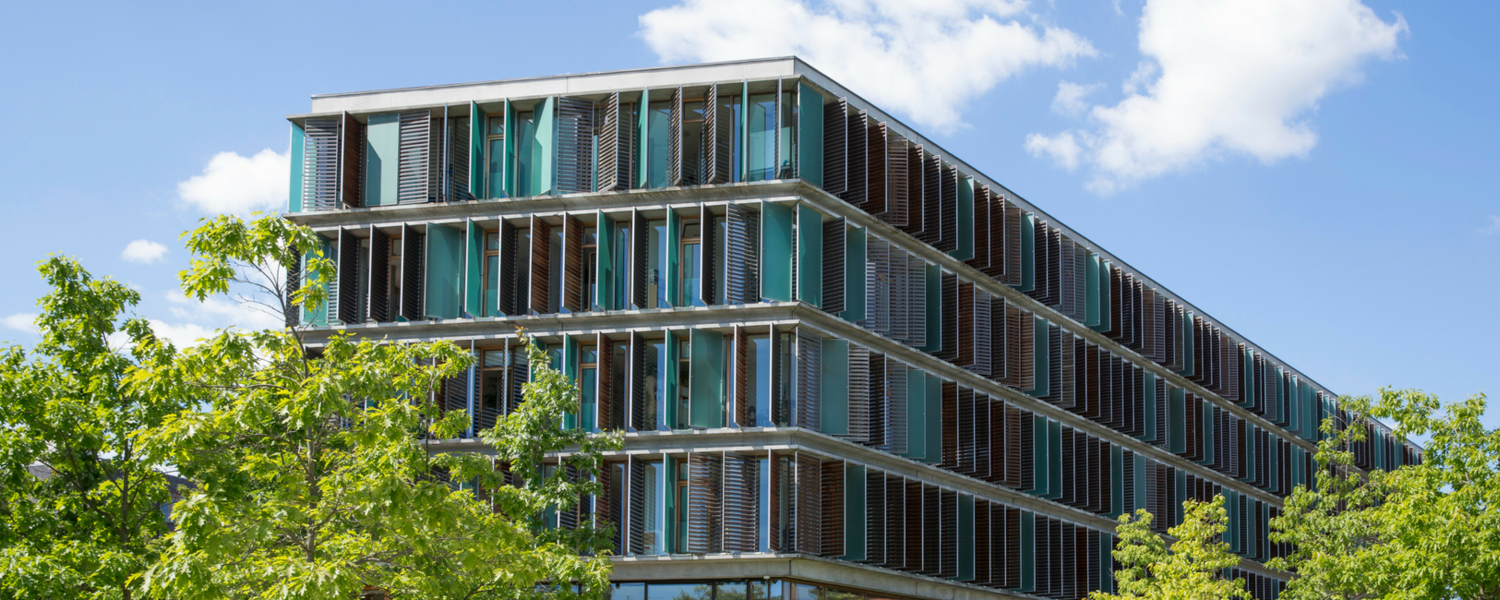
(1063, 148)
(1070, 98)
(1493, 227)
(231, 183)
(924, 59)
(1225, 77)
(221, 313)
(22, 322)
(143, 251)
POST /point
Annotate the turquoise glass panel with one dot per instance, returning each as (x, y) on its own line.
(809, 255)
(674, 260)
(706, 398)
(544, 150)
(527, 172)
(605, 263)
(443, 283)
(854, 512)
(473, 263)
(934, 452)
(1028, 252)
(1176, 421)
(760, 138)
(478, 120)
(1104, 299)
(382, 160)
(916, 413)
(966, 537)
(809, 134)
(854, 274)
(835, 387)
(658, 120)
(588, 388)
(965, 246)
(294, 195)
(776, 224)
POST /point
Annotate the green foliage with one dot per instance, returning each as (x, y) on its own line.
(1145, 567)
(1428, 531)
(316, 474)
(80, 504)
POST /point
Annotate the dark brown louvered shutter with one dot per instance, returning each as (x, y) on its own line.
(875, 514)
(744, 413)
(291, 313)
(412, 266)
(640, 401)
(831, 490)
(639, 265)
(715, 141)
(741, 508)
(981, 258)
(572, 271)
(916, 521)
(809, 379)
(963, 320)
(636, 488)
(834, 266)
(351, 136)
(437, 154)
(932, 200)
(348, 278)
(835, 146)
(857, 163)
(704, 502)
(743, 260)
(541, 245)
(675, 150)
(612, 174)
(380, 274)
(876, 155)
(898, 184)
(605, 381)
(778, 499)
(895, 521)
(1013, 224)
(916, 191)
(516, 375)
(457, 158)
(807, 536)
(509, 247)
(859, 394)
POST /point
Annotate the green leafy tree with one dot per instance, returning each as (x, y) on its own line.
(80, 503)
(315, 474)
(1428, 531)
(1188, 569)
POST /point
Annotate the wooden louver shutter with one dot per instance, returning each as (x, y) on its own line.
(717, 123)
(412, 266)
(572, 284)
(740, 506)
(351, 161)
(541, 261)
(635, 542)
(834, 265)
(835, 146)
(413, 162)
(674, 141)
(876, 155)
(744, 255)
(613, 175)
(710, 244)
(898, 187)
(457, 136)
(509, 247)
(640, 402)
(575, 146)
(380, 274)
(348, 275)
(809, 379)
(832, 491)
(604, 381)
(807, 536)
(704, 502)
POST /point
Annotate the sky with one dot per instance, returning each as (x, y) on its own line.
(1319, 175)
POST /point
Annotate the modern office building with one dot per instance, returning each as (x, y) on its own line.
(847, 362)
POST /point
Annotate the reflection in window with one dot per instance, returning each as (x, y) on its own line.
(528, 169)
(590, 274)
(692, 142)
(760, 137)
(491, 275)
(692, 257)
(588, 383)
(495, 153)
(656, 380)
(684, 373)
(781, 410)
(491, 392)
(658, 138)
(758, 379)
(656, 260)
(653, 539)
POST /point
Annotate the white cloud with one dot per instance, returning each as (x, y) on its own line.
(143, 251)
(1493, 227)
(1070, 98)
(220, 313)
(925, 59)
(231, 183)
(185, 335)
(1062, 148)
(22, 322)
(1224, 77)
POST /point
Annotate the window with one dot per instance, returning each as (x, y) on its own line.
(680, 511)
(653, 541)
(393, 282)
(692, 142)
(588, 383)
(621, 255)
(495, 149)
(555, 271)
(692, 255)
(656, 261)
(720, 257)
(658, 139)
(491, 390)
(590, 273)
(491, 275)
(684, 376)
(528, 169)
(781, 411)
(787, 147)
(758, 379)
(656, 383)
(760, 159)
(729, 101)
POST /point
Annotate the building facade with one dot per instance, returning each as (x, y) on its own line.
(847, 363)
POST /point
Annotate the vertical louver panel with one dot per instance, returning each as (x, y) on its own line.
(895, 521)
(675, 151)
(980, 335)
(809, 379)
(436, 155)
(348, 304)
(572, 271)
(541, 246)
(712, 248)
(949, 206)
(932, 200)
(916, 302)
(320, 164)
(641, 404)
(412, 176)
(1012, 244)
(834, 265)
(948, 536)
(743, 259)
(875, 516)
(412, 266)
(859, 394)
(640, 268)
(351, 136)
(744, 413)
(575, 145)
(777, 493)
(832, 488)
(999, 340)
(704, 502)
(613, 173)
(963, 320)
(380, 275)
(981, 258)
(509, 247)
(807, 537)
(915, 519)
(457, 168)
(876, 155)
(836, 146)
(857, 182)
(949, 285)
(715, 138)
(916, 191)
(636, 489)
(898, 183)
(894, 411)
(1065, 277)
(741, 507)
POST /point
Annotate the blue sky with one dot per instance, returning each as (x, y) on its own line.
(1321, 178)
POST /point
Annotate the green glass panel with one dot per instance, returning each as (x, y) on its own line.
(1028, 551)
(1232, 520)
(706, 398)
(1249, 451)
(1116, 480)
(674, 258)
(854, 512)
(294, 193)
(1054, 459)
(544, 150)
(382, 160)
(444, 280)
(835, 392)
(1187, 344)
(934, 304)
(1028, 252)
(604, 265)
(1148, 402)
(760, 137)
(473, 264)
(669, 412)
(965, 246)
(854, 274)
(478, 120)
(1176, 421)
(588, 387)
(809, 255)
(1104, 299)
(1091, 291)
(776, 224)
(1207, 436)
(1138, 482)
(916, 412)
(643, 133)
(1039, 448)
(658, 136)
(1040, 358)
(1181, 494)
(934, 451)
(810, 135)
(965, 537)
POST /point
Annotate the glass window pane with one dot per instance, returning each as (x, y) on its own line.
(491, 285)
(730, 590)
(758, 378)
(658, 121)
(761, 138)
(691, 255)
(680, 591)
(656, 243)
(496, 169)
(588, 385)
(527, 181)
(653, 529)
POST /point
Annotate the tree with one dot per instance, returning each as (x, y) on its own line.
(1187, 570)
(314, 472)
(1426, 531)
(80, 503)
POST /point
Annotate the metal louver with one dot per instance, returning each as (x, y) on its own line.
(741, 508)
(674, 142)
(809, 379)
(348, 278)
(412, 267)
(834, 265)
(704, 502)
(413, 159)
(876, 155)
(744, 255)
(320, 164)
(575, 146)
(835, 146)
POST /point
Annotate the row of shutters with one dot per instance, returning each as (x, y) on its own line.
(432, 159)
